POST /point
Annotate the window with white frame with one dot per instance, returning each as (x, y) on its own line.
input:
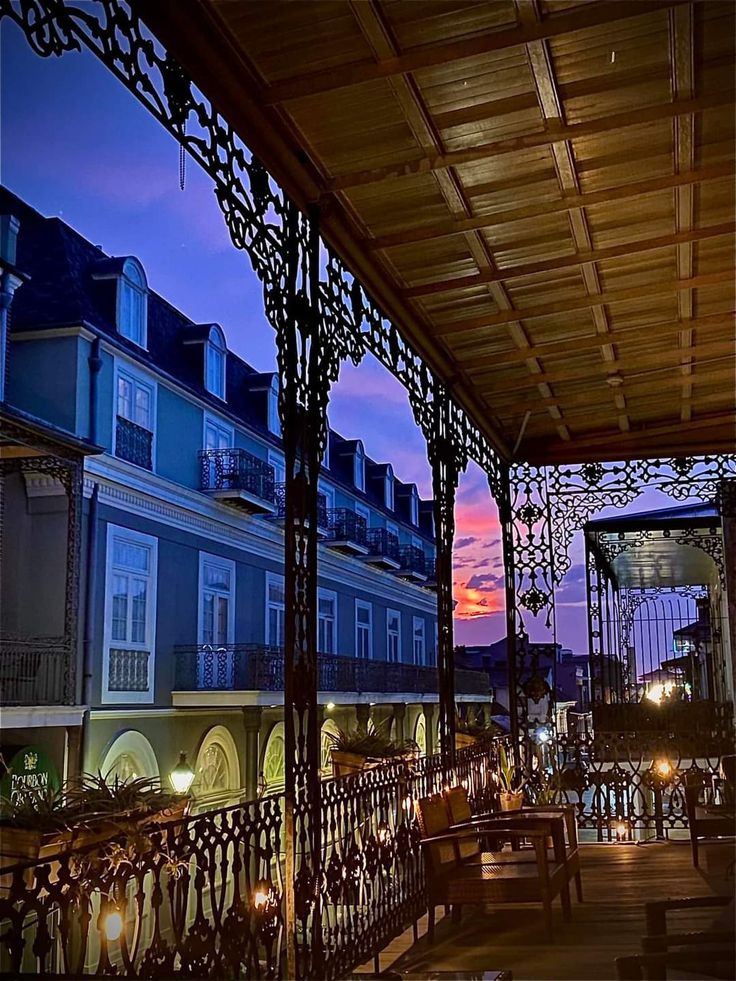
(275, 610)
(363, 511)
(135, 399)
(393, 635)
(327, 621)
(417, 542)
(359, 466)
(216, 600)
(363, 629)
(388, 488)
(218, 435)
(419, 644)
(279, 467)
(130, 616)
(215, 358)
(392, 529)
(329, 494)
(132, 303)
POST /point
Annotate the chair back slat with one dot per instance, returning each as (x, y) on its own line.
(434, 820)
(458, 810)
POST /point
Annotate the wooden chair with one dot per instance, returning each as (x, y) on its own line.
(710, 953)
(706, 822)
(567, 851)
(458, 874)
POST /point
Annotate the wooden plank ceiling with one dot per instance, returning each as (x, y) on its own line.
(540, 193)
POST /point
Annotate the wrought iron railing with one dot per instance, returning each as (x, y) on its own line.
(257, 667)
(133, 443)
(203, 896)
(236, 469)
(412, 559)
(344, 525)
(430, 571)
(33, 671)
(128, 670)
(280, 497)
(383, 542)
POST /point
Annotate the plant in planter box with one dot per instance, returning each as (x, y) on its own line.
(471, 732)
(353, 749)
(38, 823)
(512, 783)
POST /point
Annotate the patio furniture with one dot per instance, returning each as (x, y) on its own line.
(483, 878)
(710, 953)
(559, 817)
(706, 821)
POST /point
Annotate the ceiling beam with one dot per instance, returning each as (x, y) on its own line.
(658, 360)
(432, 55)
(473, 354)
(582, 303)
(565, 262)
(570, 202)
(526, 141)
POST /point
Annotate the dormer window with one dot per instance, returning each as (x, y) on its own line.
(273, 421)
(132, 303)
(388, 488)
(359, 466)
(215, 355)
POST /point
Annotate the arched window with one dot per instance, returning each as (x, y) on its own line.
(217, 770)
(132, 303)
(273, 760)
(215, 357)
(329, 728)
(130, 755)
(420, 733)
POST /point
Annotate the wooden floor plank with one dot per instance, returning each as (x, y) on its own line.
(617, 881)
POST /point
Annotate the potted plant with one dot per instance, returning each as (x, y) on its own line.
(512, 783)
(353, 750)
(39, 824)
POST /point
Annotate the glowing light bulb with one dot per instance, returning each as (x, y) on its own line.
(621, 831)
(664, 769)
(113, 925)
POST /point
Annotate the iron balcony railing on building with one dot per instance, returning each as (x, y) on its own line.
(33, 671)
(413, 563)
(133, 443)
(347, 531)
(280, 499)
(383, 548)
(258, 667)
(237, 477)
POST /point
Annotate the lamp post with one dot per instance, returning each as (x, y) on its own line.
(182, 776)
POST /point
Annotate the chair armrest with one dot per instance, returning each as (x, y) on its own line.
(656, 912)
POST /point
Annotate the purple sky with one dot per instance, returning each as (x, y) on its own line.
(75, 143)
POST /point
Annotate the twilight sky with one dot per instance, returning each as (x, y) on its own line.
(75, 143)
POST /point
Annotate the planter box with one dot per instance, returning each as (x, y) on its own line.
(26, 845)
(346, 764)
(463, 740)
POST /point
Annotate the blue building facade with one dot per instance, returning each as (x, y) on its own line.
(181, 604)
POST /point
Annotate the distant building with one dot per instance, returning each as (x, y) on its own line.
(177, 574)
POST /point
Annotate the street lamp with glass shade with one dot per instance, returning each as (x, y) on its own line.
(182, 776)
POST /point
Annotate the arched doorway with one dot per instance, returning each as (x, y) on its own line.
(329, 728)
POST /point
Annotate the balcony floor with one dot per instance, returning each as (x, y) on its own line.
(617, 881)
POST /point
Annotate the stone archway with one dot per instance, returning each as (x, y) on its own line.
(217, 769)
(273, 759)
(128, 756)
